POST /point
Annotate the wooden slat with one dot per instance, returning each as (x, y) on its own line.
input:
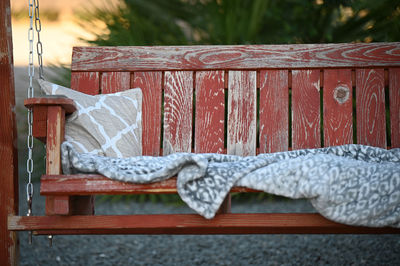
(86, 82)
(252, 223)
(55, 185)
(55, 136)
(150, 84)
(242, 98)
(178, 111)
(337, 104)
(306, 109)
(210, 109)
(9, 244)
(115, 81)
(274, 109)
(394, 101)
(370, 102)
(141, 58)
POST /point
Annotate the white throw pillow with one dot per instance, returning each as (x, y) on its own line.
(104, 124)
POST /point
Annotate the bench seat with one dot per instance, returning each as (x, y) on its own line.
(53, 185)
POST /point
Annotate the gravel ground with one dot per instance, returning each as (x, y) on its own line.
(208, 249)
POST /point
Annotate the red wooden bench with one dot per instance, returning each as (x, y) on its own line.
(306, 95)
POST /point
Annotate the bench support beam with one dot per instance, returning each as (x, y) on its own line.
(8, 141)
(252, 223)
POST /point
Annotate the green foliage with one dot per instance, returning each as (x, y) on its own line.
(182, 22)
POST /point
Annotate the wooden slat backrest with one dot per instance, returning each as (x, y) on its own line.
(249, 99)
(394, 96)
(338, 107)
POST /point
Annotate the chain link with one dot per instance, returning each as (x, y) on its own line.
(29, 141)
(39, 46)
(31, 73)
(34, 18)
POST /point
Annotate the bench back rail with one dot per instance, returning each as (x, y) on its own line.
(246, 100)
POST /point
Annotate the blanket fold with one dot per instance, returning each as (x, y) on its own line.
(351, 184)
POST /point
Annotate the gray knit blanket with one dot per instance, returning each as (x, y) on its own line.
(350, 184)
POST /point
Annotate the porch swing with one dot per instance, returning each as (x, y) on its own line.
(171, 74)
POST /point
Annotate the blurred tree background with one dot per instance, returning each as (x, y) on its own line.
(191, 22)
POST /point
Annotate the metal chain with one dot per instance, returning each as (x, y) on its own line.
(31, 73)
(39, 46)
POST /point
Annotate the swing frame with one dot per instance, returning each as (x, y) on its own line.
(60, 199)
(8, 141)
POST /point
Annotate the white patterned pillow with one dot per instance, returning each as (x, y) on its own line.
(104, 124)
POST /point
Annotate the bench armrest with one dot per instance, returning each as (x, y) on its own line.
(42, 107)
(52, 100)
(48, 126)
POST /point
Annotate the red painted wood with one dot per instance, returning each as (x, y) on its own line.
(150, 84)
(210, 109)
(59, 205)
(8, 141)
(55, 137)
(40, 110)
(274, 109)
(394, 101)
(178, 111)
(370, 102)
(242, 98)
(234, 223)
(337, 104)
(115, 81)
(306, 109)
(39, 127)
(241, 122)
(86, 82)
(67, 104)
(54, 185)
(238, 57)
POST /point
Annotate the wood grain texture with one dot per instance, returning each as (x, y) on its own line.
(8, 141)
(337, 107)
(115, 81)
(237, 57)
(178, 111)
(370, 102)
(57, 185)
(242, 107)
(151, 86)
(59, 205)
(274, 111)
(306, 109)
(394, 101)
(55, 136)
(86, 82)
(233, 223)
(210, 109)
